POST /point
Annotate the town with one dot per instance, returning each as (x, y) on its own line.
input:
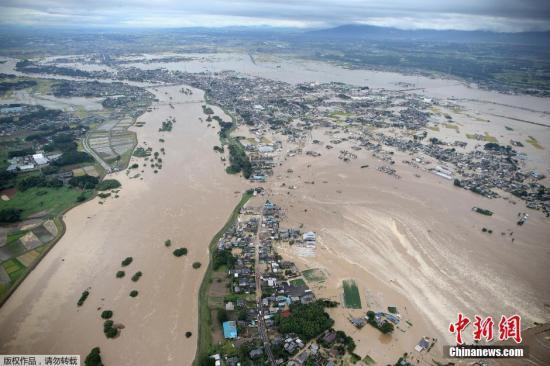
(260, 309)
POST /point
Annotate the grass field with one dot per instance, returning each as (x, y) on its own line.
(51, 200)
(297, 282)
(314, 275)
(352, 299)
(204, 340)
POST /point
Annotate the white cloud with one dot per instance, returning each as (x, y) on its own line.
(500, 15)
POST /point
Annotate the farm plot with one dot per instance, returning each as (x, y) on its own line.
(314, 275)
(28, 258)
(42, 234)
(30, 241)
(352, 298)
(14, 268)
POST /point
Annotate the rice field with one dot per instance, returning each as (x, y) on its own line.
(14, 268)
(28, 258)
(352, 299)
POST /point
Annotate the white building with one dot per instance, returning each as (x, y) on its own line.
(40, 159)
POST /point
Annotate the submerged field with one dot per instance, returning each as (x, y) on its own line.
(352, 298)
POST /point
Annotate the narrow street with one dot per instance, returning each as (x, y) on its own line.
(262, 330)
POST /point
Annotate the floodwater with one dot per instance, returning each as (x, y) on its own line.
(499, 112)
(413, 243)
(187, 201)
(52, 102)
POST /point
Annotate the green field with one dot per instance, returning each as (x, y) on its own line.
(297, 282)
(352, 299)
(369, 360)
(14, 268)
(314, 275)
(51, 200)
(13, 236)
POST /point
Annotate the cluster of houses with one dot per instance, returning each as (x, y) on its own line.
(262, 158)
(17, 118)
(294, 109)
(280, 283)
(484, 171)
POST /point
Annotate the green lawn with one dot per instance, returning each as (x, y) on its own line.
(352, 299)
(33, 200)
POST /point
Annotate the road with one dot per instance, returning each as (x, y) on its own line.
(262, 329)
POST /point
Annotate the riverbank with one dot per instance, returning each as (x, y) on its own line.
(204, 339)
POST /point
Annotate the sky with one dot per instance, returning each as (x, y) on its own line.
(495, 15)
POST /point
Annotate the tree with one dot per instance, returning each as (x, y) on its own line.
(180, 251)
(222, 315)
(84, 181)
(306, 320)
(10, 215)
(207, 361)
(108, 184)
(242, 315)
(386, 328)
(93, 358)
(72, 157)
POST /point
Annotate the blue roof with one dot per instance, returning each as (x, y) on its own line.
(230, 330)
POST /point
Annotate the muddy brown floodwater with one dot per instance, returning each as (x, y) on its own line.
(187, 201)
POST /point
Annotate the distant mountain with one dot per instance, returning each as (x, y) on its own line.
(357, 31)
